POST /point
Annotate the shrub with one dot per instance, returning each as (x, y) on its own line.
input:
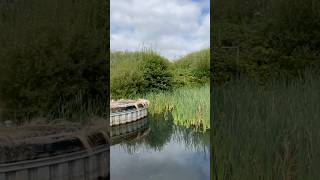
(193, 68)
(135, 73)
(51, 56)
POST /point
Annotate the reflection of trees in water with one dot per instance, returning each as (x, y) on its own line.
(162, 131)
(194, 141)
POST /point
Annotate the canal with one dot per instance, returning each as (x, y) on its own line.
(156, 149)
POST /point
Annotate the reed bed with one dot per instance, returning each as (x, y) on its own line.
(268, 132)
(189, 106)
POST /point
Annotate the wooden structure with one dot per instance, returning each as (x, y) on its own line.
(79, 165)
(70, 155)
(126, 111)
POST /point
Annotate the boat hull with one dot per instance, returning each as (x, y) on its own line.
(81, 165)
(129, 116)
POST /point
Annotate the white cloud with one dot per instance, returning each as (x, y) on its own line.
(172, 27)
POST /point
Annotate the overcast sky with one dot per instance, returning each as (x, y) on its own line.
(171, 27)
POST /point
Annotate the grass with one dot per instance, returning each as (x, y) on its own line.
(77, 109)
(189, 106)
(269, 132)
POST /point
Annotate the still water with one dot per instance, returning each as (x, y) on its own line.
(156, 149)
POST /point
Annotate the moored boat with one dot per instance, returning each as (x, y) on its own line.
(126, 111)
(55, 153)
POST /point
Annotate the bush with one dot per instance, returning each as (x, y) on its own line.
(274, 38)
(50, 57)
(193, 68)
(134, 73)
(155, 72)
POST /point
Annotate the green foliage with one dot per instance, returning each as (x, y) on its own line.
(155, 73)
(267, 132)
(274, 38)
(178, 87)
(192, 69)
(266, 106)
(125, 78)
(135, 73)
(50, 54)
(138, 73)
(189, 106)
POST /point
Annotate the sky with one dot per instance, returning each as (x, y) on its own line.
(173, 28)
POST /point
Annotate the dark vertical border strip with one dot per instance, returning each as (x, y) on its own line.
(104, 21)
(211, 93)
(107, 39)
(213, 160)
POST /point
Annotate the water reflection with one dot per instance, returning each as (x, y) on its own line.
(161, 151)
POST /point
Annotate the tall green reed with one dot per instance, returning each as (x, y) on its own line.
(267, 132)
(189, 106)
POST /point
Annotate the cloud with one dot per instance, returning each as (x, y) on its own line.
(171, 27)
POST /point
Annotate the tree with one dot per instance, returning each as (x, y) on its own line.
(156, 74)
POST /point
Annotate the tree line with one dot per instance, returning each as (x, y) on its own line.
(265, 39)
(138, 73)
